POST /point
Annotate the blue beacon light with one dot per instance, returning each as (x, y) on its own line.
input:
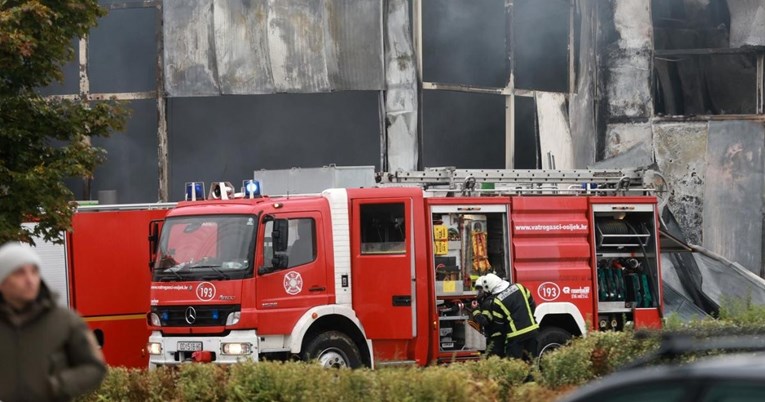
(195, 191)
(251, 188)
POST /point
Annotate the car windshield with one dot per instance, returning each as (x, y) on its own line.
(205, 247)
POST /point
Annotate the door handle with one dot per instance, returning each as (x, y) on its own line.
(402, 300)
(317, 289)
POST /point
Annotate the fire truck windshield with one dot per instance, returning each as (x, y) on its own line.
(205, 248)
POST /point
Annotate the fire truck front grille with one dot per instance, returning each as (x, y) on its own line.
(194, 316)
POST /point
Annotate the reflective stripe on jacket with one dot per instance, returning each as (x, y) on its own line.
(482, 315)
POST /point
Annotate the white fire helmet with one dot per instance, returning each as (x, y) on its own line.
(478, 284)
(490, 283)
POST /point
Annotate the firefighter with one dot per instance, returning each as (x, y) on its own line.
(495, 337)
(512, 308)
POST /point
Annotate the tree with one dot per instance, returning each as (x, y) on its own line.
(42, 140)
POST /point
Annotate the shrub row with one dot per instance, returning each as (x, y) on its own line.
(583, 360)
(485, 380)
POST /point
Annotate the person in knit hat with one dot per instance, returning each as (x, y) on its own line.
(47, 352)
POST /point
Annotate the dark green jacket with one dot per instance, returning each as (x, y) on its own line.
(47, 353)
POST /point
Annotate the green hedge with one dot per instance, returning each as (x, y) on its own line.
(561, 370)
(491, 379)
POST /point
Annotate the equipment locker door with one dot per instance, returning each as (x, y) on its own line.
(383, 267)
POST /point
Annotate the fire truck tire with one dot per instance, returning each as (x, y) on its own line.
(551, 338)
(333, 349)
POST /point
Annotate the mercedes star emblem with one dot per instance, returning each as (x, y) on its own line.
(191, 315)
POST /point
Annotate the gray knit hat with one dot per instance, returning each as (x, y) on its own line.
(13, 255)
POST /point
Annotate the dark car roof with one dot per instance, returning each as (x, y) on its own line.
(749, 366)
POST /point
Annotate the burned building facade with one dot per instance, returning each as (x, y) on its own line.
(219, 88)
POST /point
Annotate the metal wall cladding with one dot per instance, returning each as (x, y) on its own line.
(733, 192)
(223, 47)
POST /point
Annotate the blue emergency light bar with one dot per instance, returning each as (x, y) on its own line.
(251, 188)
(195, 191)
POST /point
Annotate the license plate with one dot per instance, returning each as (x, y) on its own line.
(189, 346)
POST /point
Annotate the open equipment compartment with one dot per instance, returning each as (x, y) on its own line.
(627, 264)
(468, 241)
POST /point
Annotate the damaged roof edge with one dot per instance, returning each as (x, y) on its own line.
(673, 244)
(731, 264)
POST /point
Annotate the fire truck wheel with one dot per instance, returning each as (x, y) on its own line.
(551, 338)
(333, 349)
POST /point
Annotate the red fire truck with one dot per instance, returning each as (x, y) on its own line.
(380, 276)
(100, 270)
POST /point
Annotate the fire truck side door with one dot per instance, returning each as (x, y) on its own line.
(284, 291)
(383, 268)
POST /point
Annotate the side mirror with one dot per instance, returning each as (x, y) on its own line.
(279, 235)
(277, 262)
(280, 261)
(154, 228)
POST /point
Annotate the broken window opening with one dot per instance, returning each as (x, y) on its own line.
(462, 129)
(541, 31)
(464, 42)
(527, 146)
(698, 70)
(713, 84)
(684, 24)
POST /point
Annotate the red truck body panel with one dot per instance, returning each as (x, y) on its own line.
(552, 249)
(109, 279)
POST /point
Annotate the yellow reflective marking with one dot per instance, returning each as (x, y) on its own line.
(115, 317)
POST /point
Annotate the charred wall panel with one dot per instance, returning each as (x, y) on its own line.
(681, 150)
(631, 142)
(733, 194)
(629, 52)
(296, 46)
(463, 130)
(190, 65)
(555, 142)
(747, 27)
(582, 102)
(241, 46)
(356, 35)
(266, 46)
(238, 134)
(401, 147)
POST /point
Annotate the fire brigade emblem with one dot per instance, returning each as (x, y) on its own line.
(293, 283)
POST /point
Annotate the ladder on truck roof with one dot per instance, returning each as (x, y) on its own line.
(527, 181)
(124, 207)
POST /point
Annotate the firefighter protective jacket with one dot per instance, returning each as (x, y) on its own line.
(482, 315)
(513, 309)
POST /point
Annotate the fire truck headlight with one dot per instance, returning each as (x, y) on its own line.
(236, 348)
(155, 348)
(233, 318)
(154, 319)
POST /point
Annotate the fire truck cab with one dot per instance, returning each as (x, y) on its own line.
(381, 276)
